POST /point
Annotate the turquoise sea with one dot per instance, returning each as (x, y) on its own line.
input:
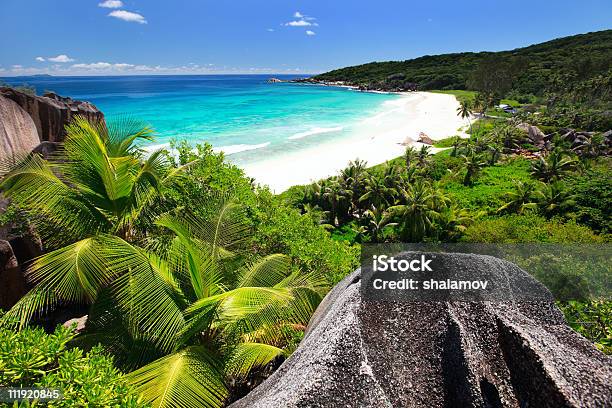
(242, 115)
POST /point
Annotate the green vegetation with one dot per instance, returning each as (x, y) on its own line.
(461, 94)
(33, 358)
(571, 76)
(485, 189)
(537, 67)
(197, 281)
(186, 300)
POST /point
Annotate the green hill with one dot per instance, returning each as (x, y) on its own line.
(531, 70)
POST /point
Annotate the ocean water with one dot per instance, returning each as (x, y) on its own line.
(242, 115)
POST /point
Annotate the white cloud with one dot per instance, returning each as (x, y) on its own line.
(40, 59)
(270, 30)
(298, 15)
(60, 58)
(298, 23)
(308, 32)
(128, 16)
(17, 66)
(111, 4)
(95, 65)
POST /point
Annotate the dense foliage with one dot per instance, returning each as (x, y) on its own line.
(573, 58)
(33, 358)
(177, 288)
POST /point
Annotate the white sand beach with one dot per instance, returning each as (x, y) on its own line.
(379, 138)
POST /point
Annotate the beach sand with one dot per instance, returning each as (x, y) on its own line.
(379, 138)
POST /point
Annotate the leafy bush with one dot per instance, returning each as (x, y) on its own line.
(528, 228)
(593, 191)
(33, 358)
(592, 319)
(284, 230)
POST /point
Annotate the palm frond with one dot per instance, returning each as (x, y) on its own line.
(267, 271)
(247, 356)
(189, 378)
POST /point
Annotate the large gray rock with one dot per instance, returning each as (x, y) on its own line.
(534, 134)
(361, 353)
(51, 112)
(18, 134)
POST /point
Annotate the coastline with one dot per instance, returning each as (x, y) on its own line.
(380, 138)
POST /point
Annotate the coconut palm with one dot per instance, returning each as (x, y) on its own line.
(452, 223)
(521, 200)
(352, 179)
(93, 193)
(377, 193)
(554, 166)
(377, 221)
(416, 213)
(423, 155)
(554, 199)
(337, 196)
(410, 154)
(473, 164)
(457, 144)
(227, 319)
(465, 112)
(192, 314)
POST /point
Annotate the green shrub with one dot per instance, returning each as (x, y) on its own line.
(527, 228)
(592, 319)
(280, 229)
(593, 191)
(33, 358)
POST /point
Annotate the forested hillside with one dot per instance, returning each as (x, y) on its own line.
(531, 70)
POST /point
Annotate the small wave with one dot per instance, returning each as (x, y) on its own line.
(316, 131)
(232, 149)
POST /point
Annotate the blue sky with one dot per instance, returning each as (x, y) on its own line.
(104, 37)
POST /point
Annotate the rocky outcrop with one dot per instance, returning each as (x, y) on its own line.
(534, 134)
(18, 134)
(423, 138)
(51, 112)
(363, 353)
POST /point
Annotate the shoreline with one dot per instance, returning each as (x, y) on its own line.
(380, 138)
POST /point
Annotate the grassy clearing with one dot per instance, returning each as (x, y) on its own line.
(461, 95)
(487, 193)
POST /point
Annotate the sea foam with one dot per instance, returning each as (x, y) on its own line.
(232, 149)
(316, 131)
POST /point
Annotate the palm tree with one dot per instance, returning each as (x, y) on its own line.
(416, 213)
(457, 143)
(377, 192)
(352, 179)
(192, 314)
(554, 199)
(99, 183)
(473, 164)
(336, 195)
(452, 222)
(521, 200)
(377, 222)
(553, 167)
(423, 155)
(409, 155)
(495, 149)
(465, 111)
